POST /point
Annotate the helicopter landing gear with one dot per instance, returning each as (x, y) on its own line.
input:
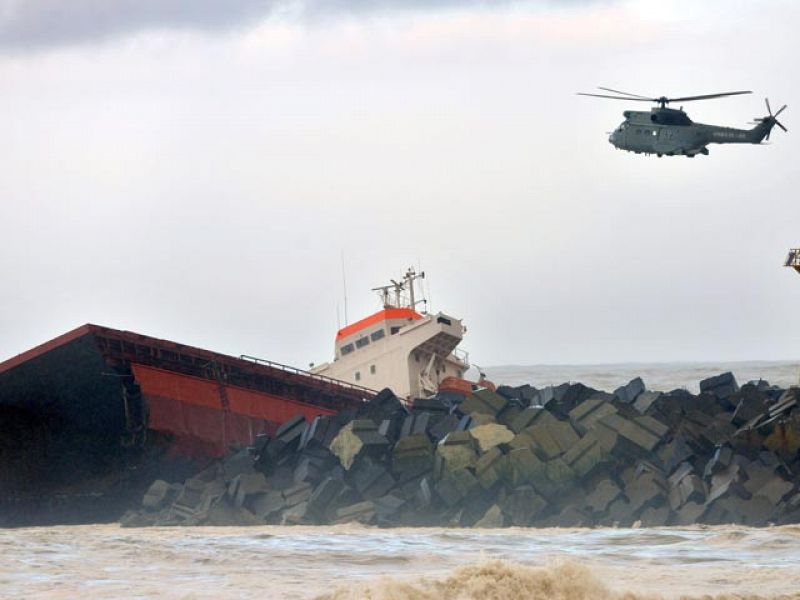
(659, 155)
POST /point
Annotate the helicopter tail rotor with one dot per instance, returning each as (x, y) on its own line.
(771, 119)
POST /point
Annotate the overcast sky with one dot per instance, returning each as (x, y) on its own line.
(195, 170)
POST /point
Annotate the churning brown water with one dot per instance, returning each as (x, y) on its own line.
(350, 562)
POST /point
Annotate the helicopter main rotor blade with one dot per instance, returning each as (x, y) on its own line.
(780, 111)
(624, 93)
(707, 96)
(779, 124)
(615, 97)
(769, 108)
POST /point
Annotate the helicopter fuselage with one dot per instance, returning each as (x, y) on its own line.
(667, 131)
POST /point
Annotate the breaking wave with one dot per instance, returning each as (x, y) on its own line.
(501, 580)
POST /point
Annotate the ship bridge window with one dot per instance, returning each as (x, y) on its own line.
(376, 335)
(444, 321)
(360, 343)
(372, 369)
(394, 330)
(347, 349)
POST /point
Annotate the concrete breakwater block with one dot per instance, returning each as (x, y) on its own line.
(559, 456)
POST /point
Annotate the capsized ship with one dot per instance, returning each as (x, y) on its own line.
(83, 415)
(413, 353)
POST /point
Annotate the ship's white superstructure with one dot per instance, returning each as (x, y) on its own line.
(398, 347)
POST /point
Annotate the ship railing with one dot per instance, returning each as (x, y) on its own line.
(315, 376)
(461, 355)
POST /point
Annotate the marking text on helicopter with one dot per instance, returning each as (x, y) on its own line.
(670, 131)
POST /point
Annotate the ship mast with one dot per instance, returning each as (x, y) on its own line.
(397, 289)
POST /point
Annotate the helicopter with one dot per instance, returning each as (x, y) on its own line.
(670, 132)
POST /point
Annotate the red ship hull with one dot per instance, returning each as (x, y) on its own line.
(86, 402)
(204, 400)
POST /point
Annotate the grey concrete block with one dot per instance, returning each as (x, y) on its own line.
(775, 490)
(444, 426)
(456, 486)
(292, 431)
(245, 485)
(490, 435)
(526, 418)
(601, 497)
(689, 514)
(675, 452)
(489, 468)
(551, 436)
(485, 402)
(296, 515)
(158, 495)
(493, 518)
(628, 393)
(639, 432)
(322, 497)
(265, 505)
(568, 397)
(586, 455)
(387, 508)
(412, 455)
(236, 464)
(524, 467)
(591, 410)
(750, 403)
(645, 491)
(371, 479)
(722, 386)
(361, 512)
(522, 505)
(646, 401)
(297, 494)
(456, 451)
(358, 439)
(725, 483)
(655, 516)
(620, 513)
(223, 514)
(381, 407)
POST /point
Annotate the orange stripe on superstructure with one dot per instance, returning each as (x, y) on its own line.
(383, 315)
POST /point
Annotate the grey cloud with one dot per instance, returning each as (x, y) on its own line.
(37, 23)
(33, 24)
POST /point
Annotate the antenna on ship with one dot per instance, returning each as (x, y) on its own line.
(344, 287)
(396, 289)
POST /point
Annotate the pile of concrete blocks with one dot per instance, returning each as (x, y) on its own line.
(559, 456)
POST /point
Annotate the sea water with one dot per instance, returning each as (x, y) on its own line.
(355, 562)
